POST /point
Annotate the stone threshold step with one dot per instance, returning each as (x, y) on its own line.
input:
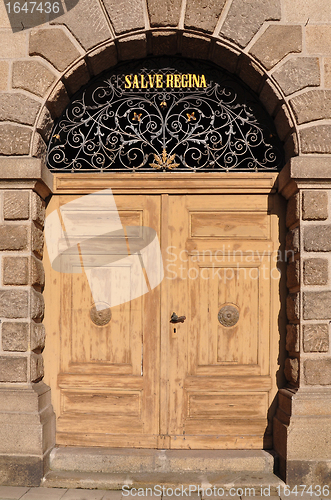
(116, 481)
(121, 460)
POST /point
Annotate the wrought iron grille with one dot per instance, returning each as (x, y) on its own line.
(163, 115)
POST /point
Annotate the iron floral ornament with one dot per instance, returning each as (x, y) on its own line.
(163, 120)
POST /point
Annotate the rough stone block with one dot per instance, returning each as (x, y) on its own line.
(316, 305)
(15, 336)
(14, 140)
(76, 78)
(293, 274)
(58, 100)
(38, 209)
(15, 271)
(293, 306)
(292, 338)
(4, 75)
(86, 21)
(315, 205)
(317, 371)
(164, 43)
(13, 369)
(126, 15)
(316, 338)
(276, 42)
(270, 97)
(36, 367)
(37, 241)
(19, 470)
(251, 74)
(318, 39)
(14, 304)
(316, 139)
(13, 237)
(291, 370)
(53, 45)
(298, 73)
(203, 14)
(165, 13)
(225, 57)
(315, 271)
(102, 58)
(317, 238)
(37, 305)
(292, 240)
(32, 76)
(16, 205)
(45, 124)
(133, 47)
(245, 18)
(293, 210)
(37, 276)
(283, 122)
(312, 105)
(38, 335)
(192, 45)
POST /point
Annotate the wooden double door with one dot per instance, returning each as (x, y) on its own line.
(128, 377)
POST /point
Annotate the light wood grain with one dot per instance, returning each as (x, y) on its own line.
(141, 381)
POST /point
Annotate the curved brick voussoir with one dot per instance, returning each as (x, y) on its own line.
(58, 100)
(76, 77)
(316, 139)
(86, 22)
(53, 45)
(275, 43)
(132, 47)
(102, 58)
(165, 13)
(250, 73)
(14, 140)
(164, 43)
(283, 122)
(313, 105)
(125, 15)
(203, 14)
(18, 108)
(193, 45)
(270, 97)
(245, 18)
(32, 76)
(225, 57)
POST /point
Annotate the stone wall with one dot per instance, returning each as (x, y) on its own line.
(282, 50)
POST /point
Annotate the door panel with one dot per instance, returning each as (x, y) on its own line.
(108, 374)
(221, 263)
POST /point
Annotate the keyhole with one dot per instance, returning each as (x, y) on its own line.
(174, 330)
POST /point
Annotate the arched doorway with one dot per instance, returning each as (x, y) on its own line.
(192, 361)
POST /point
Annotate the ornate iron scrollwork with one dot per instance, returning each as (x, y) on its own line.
(112, 125)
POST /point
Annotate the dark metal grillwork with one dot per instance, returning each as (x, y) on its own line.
(220, 127)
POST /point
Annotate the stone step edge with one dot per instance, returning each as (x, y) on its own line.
(150, 461)
(116, 481)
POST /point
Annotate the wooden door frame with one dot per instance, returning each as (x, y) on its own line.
(166, 183)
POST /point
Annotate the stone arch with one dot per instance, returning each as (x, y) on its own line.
(166, 42)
